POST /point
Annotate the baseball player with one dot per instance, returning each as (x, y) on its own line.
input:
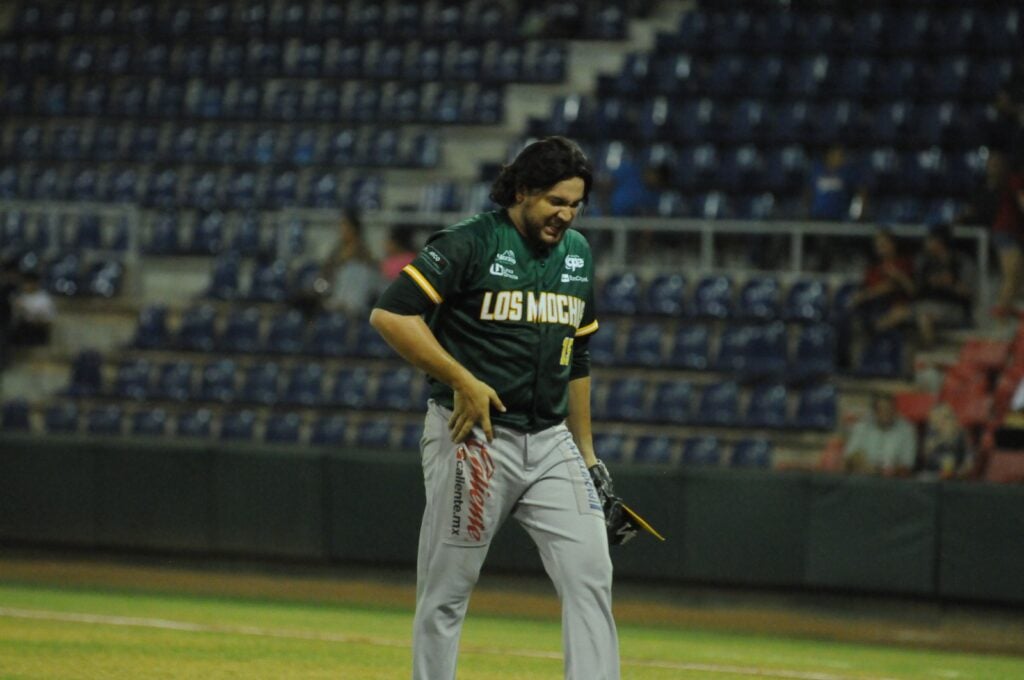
(497, 310)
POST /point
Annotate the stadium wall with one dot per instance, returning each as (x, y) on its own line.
(941, 540)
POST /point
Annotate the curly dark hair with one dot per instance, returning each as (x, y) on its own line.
(540, 165)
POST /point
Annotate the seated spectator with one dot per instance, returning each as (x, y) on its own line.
(1006, 184)
(883, 444)
(398, 252)
(945, 450)
(836, 192)
(943, 283)
(34, 312)
(635, 192)
(1009, 108)
(349, 275)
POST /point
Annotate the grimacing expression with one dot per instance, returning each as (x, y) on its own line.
(548, 213)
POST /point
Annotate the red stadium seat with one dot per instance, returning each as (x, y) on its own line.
(1005, 467)
(915, 406)
(987, 355)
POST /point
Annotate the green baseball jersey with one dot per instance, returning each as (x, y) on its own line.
(508, 313)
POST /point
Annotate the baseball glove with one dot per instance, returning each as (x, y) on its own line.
(620, 520)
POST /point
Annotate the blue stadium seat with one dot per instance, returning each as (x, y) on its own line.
(806, 301)
(883, 356)
(329, 431)
(626, 400)
(815, 353)
(751, 453)
(283, 428)
(351, 388)
(196, 424)
(218, 381)
(654, 450)
(712, 297)
(602, 343)
(63, 276)
(672, 402)
(323, 191)
(285, 333)
(719, 405)
(238, 426)
(734, 348)
(174, 381)
(395, 390)
(817, 408)
(643, 345)
(105, 420)
(269, 282)
(702, 451)
(759, 299)
(665, 295)
(163, 235)
(767, 407)
(767, 350)
(369, 343)
(248, 238)
(305, 385)
(411, 435)
(329, 335)
(690, 347)
(260, 385)
(86, 374)
(741, 169)
(149, 423)
(151, 331)
(61, 418)
(610, 446)
(15, 416)
(374, 434)
(132, 380)
(196, 332)
(224, 278)
(207, 237)
(241, 331)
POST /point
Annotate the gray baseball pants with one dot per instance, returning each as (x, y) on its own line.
(471, 489)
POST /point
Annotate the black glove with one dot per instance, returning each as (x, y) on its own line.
(621, 527)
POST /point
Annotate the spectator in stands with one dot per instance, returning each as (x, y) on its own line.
(1005, 186)
(636, 192)
(944, 285)
(836, 192)
(945, 449)
(350, 275)
(34, 312)
(1009, 106)
(883, 300)
(398, 252)
(883, 444)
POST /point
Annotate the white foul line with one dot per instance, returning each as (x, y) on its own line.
(284, 633)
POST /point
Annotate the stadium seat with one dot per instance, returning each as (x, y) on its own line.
(665, 296)
(174, 381)
(817, 408)
(196, 332)
(61, 418)
(283, 428)
(86, 374)
(238, 426)
(329, 335)
(626, 400)
(690, 347)
(751, 453)
(329, 431)
(653, 449)
(411, 435)
(374, 434)
(672, 402)
(369, 343)
(218, 381)
(643, 345)
(132, 380)
(351, 388)
(734, 348)
(395, 390)
(815, 353)
(224, 278)
(610, 446)
(806, 301)
(260, 384)
(883, 356)
(767, 407)
(602, 344)
(719, 405)
(285, 333)
(767, 350)
(241, 331)
(195, 424)
(149, 423)
(713, 297)
(702, 451)
(305, 385)
(105, 420)
(151, 331)
(759, 299)
(15, 416)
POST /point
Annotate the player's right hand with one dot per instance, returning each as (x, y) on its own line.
(473, 403)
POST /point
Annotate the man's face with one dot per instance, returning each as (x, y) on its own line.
(547, 213)
(885, 412)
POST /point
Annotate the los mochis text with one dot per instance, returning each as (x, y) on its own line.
(512, 305)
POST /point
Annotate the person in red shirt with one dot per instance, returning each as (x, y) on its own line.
(885, 293)
(1006, 185)
(398, 252)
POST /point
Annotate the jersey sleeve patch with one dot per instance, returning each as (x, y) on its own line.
(422, 282)
(434, 259)
(587, 330)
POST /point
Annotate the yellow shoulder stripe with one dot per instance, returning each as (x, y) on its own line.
(422, 282)
(587, 330)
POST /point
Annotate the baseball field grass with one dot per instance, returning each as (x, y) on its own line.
(88, 628)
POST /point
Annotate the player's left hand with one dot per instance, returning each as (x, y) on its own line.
(472, 405)
(620, 520)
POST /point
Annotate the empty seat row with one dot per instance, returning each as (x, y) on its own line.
(47, 231)
(478, 19)
(218, 144)
(418, 60)
(753, 452)
(245, 331)
(771, 406)
(173, 188)
(698, 120)
(216, 232)
(720, 296)
(69, 274)
(869, 28)
(255, 101)
(858, 76)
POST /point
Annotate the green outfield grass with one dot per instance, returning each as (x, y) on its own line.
(90, 634)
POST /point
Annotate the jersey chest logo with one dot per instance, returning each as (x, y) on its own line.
(543, 307)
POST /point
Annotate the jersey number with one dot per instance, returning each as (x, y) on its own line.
(566, 352)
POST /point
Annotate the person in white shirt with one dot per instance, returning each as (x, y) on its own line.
(34, 312)
(884, 444)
